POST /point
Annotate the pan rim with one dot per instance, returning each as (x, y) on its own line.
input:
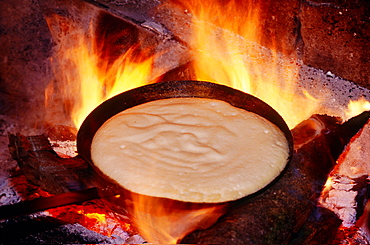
(174, 89)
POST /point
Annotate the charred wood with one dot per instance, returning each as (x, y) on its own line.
(47, 230)
(43, 167)
(320, 227)
(347, 191)
(276, 213)
(273, 215)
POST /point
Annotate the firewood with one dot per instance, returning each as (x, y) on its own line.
(277, 212)
(272, 215)
(43, 167)
(319, 228)
(347, 192)
(62, 133)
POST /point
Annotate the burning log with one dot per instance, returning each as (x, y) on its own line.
(66, 178)
(346, 191)
(320, 228)
(43, 167)
(276, 213)
(272, 215)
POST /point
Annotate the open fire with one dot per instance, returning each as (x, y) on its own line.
(224, 50)
(94, 63)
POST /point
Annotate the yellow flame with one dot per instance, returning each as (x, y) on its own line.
(226, 52)
(85, 80)
(123, 74)
(356, 107)
(164, 221)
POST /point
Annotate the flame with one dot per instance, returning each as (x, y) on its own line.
(356, 107)
(85, 80)
(225, 44)
(165, 221)
(225, 37)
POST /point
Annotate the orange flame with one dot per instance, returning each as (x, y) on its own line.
(164, 221)
(84, 79)
(226, 52)
(94, 217)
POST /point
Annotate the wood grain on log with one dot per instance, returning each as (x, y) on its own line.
(44, 168)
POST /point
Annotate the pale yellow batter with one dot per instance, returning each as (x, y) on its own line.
(190, 149)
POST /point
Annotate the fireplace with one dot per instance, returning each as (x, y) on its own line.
(322, 45)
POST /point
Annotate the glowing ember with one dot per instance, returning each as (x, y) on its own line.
(96, 218)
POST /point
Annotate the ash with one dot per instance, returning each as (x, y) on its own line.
(346, 192)
(66, 148)
(342, 198)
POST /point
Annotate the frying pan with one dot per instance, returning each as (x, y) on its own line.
(173, 89)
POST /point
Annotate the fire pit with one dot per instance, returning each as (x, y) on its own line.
(173, 40)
